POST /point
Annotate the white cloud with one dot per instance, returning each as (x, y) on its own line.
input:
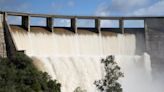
(1, 1)
(65, 22)
(62, 22)
(128, 5)
(14, 5)
(14, 20)
(102, 10)
(120, 7)
(71, 3)
(130, 8)
(124, 8)
(85, 23)
(57, 5)
(41, 22)
(105, 23)
(6, 1)
(61, 5)
(155, 9)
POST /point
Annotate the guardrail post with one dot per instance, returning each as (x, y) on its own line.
(50, 23)
(26, 22)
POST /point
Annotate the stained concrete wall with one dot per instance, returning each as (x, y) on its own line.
(2, 40)
(155, 45)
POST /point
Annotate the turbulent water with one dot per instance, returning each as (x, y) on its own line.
(74, 59)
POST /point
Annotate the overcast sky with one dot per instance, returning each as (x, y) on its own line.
(86, 7)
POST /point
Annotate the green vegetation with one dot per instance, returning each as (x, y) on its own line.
(112, 73)
(20, 75)
(78, 89)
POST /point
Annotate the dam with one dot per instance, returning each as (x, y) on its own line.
(72, 54)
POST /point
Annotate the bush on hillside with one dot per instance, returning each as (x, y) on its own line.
(20, 75)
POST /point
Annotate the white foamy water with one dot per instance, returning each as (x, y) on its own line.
(74, 59)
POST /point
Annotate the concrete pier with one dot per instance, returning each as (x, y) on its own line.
(121, 25)
(26, 22)
(74, 24)
(50, 23)
(97, 25)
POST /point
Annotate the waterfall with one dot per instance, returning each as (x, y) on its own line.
(74, 59)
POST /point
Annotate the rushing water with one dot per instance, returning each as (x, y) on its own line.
(74, 59)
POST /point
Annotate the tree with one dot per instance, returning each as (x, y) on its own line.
(78, 89)
(112, 73)
(20, 75)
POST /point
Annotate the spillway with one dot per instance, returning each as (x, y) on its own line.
(74, 58)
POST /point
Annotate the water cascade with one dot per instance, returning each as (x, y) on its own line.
(74, 59)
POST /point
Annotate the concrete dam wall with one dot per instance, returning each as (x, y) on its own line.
(72, 55)
(2, 39)
(155, 42)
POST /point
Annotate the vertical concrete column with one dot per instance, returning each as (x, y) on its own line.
(26, 22)
(97, 25)
(4, 17)
(50, 23)
(98, 28)
(147, 47)
(1, 20)
(121, 25)
(74, 24)
(2, 35)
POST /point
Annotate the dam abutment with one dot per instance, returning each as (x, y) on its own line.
(155, 43)
(9, 42)
(2, 38)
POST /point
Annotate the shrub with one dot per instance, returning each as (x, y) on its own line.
(112, 73)
(20, 75)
